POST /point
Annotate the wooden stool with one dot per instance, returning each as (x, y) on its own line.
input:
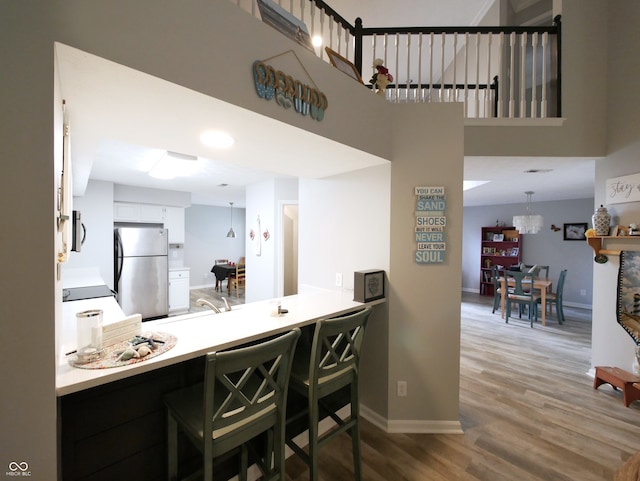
(619, 378)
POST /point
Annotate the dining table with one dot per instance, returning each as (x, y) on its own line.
(542, 283)
(222, 272)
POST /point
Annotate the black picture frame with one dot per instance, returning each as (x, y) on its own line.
(343, 64)
(575, 231)
(368, 285)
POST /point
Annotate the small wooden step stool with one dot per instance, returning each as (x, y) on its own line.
(619, 378)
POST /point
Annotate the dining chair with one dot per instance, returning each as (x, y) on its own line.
(523, 295)
(556, 297)
(238, 279)
(497, 291)
(330, 364)
(244, 394)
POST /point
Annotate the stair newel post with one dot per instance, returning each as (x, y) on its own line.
(357, 37)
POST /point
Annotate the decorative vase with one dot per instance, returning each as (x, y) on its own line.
(601, 220)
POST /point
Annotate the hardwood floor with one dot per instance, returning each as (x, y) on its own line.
(527, 407)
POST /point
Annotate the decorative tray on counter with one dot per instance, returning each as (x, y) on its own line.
(115, 356)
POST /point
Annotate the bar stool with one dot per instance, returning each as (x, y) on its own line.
(330, 364)
(243, 395)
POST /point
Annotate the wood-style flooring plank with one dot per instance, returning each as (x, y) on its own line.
(527, 408)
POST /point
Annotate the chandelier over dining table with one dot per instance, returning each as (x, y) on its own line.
(528, 223)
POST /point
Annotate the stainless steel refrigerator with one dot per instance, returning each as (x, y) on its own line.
(141, 271)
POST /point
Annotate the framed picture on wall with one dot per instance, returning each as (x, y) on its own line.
(575, 231)
(342, 64)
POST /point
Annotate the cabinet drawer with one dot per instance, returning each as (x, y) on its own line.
(179, 274)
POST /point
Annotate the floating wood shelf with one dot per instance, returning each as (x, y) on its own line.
(597, 244)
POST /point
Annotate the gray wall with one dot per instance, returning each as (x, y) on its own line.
(611, 345)
(206, 239)
(546, 247)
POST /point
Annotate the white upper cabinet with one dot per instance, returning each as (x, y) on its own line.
(145, 213)
(174, 221)
(171, 217)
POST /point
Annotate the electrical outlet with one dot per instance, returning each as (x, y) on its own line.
(402, 389)
(338, 279)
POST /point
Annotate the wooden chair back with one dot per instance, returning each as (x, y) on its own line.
(238, 280)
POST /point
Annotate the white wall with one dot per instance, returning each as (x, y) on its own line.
(545, 248)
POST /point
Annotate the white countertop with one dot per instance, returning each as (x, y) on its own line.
(203, 332)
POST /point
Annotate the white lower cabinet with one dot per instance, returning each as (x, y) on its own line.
(178, 291)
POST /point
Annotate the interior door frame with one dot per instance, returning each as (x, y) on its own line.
(280, 241)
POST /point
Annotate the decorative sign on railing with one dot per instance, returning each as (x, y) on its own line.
(288, 92)
(431, 203)
(623, 189)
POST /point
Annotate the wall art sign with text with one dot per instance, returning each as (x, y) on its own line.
(430, 239)
(288, 92)
(623, 189)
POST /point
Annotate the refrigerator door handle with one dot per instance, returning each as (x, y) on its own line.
(119, 259)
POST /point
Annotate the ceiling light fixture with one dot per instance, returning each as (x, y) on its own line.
(170, 165)
(316, 41)
(216, 139)
(529, 223)
(231, 232)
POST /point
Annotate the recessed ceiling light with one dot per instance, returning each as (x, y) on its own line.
(316, 41)
(216, 139)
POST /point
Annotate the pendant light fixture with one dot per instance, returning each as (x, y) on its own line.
(231, 232)
(529, 223)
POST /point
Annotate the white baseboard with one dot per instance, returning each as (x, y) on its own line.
(410, 426)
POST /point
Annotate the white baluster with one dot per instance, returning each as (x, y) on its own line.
(455, 66)
(420, 93)
(512, 76)
(487, 92)
(408, 88)
(442, 67)
(543, 100)
(397, 64)
(534, 67)
(466, 74)
(523, 80)
(431, 67)
(477, 101)
(500, 70)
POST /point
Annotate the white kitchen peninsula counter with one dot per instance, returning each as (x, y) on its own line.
(203, 332)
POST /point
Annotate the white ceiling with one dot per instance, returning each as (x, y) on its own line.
(121, 118)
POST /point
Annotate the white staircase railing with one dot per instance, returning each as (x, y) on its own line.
(511, 72)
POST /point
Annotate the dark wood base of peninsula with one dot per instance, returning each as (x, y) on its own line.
(118, 430)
